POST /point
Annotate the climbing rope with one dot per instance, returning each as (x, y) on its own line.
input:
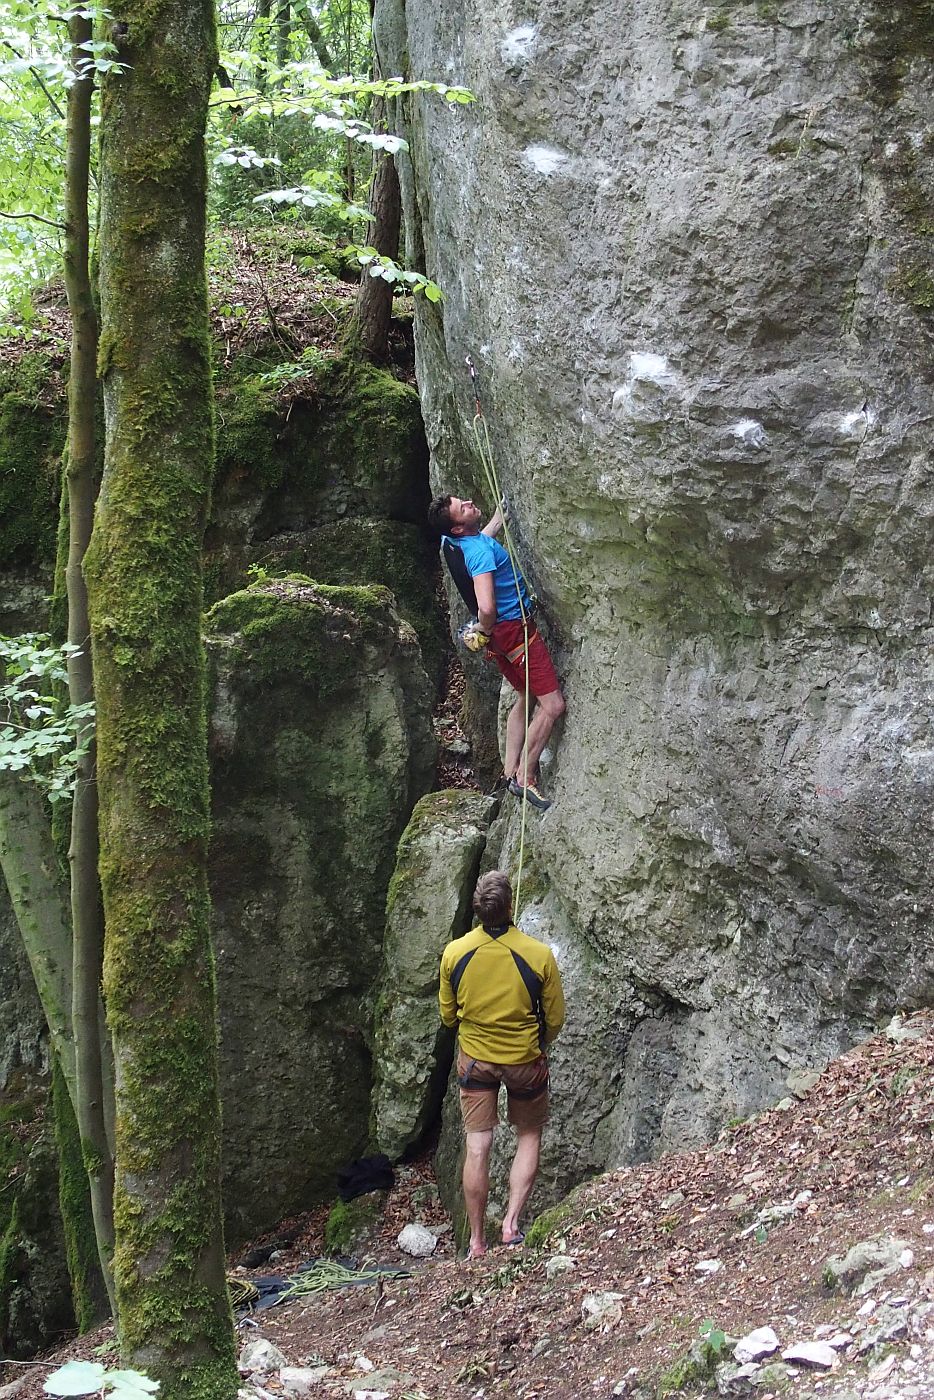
(485, 453)
(330, 1273)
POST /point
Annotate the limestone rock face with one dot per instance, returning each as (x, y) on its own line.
(428, 905)
(320, 744)
(688, 248)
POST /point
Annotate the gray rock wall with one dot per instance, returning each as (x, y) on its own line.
(429, 903)
(320, 745)
(689, 248)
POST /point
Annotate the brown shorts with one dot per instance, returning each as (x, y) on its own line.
(526, 1093)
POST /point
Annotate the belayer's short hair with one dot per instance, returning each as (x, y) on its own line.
(492, 899)
(439, 515)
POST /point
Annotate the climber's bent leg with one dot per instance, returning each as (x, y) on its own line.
(549, 709)
(515, 737)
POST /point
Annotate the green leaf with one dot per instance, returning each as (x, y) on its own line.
(76, 1378)
(131, 1383)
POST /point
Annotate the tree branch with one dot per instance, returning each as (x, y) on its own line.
(313, 30)
(51, 100)
(53, 223)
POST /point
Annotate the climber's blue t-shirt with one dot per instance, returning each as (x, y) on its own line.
(485, 555)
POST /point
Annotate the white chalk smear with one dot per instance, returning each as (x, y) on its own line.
(545, 159)
(750, 433)
(518, 43)
(858, 423)
(643, 364)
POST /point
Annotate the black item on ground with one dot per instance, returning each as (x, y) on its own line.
(365, 1174)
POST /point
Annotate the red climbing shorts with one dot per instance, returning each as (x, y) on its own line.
(508, 651)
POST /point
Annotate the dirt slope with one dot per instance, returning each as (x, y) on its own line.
(735, 1236)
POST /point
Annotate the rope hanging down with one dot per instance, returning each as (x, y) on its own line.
(485, 453)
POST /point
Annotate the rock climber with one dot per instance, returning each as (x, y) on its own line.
(502, 990)
(499, 629)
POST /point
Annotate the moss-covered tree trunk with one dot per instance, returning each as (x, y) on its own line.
(144, 581)
(87, 915)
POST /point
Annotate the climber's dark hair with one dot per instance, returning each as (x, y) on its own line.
(439, 515)
(492, 899)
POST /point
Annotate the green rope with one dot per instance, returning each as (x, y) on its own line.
(485, 453)
(328, 1273)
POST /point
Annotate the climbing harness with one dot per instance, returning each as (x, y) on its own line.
(485, 453)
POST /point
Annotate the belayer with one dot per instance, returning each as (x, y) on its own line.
(497, 596)
(502, 990)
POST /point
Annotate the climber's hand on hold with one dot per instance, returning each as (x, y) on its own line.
(473, 637)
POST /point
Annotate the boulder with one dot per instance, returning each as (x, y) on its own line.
(428, 904)
(865, 1265)
(260, 1357)
(761, 1342)
(320, 745)
(417, 1241)
(697, 291)
(36, 1303)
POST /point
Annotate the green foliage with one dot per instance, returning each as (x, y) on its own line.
(36, 69)
(378, 265)
(700, 1362)
(311, 362)
(38, 725)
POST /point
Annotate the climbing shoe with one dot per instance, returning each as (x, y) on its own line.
(531, 794)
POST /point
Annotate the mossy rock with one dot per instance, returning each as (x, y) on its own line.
(349, 1221)
(35, 1294)
(353, 445)
(428, 904)
(32, 436)
(551, 1222)
(363, 551)
(321, 744)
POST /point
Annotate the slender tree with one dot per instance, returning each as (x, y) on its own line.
(145, 590)
(81, 461)
(373, 311)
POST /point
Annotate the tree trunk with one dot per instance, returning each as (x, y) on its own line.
(145, 587)
(37, 892)
(87, 914)
(313, 30)
(262, 28)
(89, 1295)
(283, 30)
(373, 313)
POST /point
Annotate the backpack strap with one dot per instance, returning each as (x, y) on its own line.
(533, 985)
(460, 574)
(460, 967)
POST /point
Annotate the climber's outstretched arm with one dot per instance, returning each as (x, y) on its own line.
(494, 524)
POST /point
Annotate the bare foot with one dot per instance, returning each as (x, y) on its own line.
(476, 1251)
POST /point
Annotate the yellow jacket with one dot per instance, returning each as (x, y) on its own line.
(491, 988)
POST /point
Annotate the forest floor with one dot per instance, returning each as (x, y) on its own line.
(729, 1238)
(270, 296)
